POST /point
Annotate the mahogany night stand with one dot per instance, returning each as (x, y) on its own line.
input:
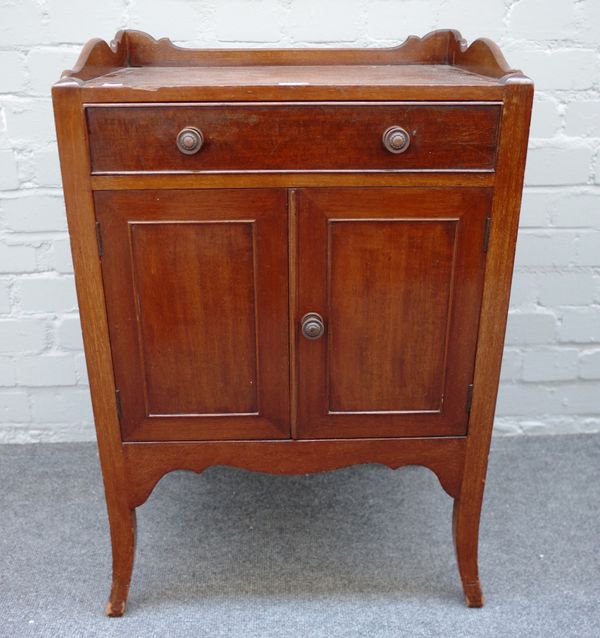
(292, 261)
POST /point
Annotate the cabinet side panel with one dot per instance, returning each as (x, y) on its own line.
(506, 206)
(72, 142)
(71, 133)
(496, 293)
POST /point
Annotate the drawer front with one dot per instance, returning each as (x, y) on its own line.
(293, 137)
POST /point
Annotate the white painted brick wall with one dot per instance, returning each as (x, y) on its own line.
(551, 369)
(589, 367)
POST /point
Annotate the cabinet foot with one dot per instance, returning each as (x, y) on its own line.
(473, 594)
(465, 527)
(115, 608)
(123, 533)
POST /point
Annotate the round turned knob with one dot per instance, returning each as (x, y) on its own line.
(190, 140)
(312, 326)
(396, 139)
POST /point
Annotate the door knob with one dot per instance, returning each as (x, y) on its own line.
(312, 326)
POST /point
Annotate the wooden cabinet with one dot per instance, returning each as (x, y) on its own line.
(292, 261)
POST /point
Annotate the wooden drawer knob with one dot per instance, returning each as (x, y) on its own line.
(190, 140)
(396, 139)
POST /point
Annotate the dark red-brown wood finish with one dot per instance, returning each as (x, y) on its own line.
(196, 287)
(302, 137)
(292, 260)
(397, 276)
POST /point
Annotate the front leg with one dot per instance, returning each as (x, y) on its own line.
(122, 534)
(465, 527)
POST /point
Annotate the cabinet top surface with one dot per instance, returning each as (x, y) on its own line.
(136, 67)
(157, 77)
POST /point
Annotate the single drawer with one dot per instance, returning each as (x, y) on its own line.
(293, 137)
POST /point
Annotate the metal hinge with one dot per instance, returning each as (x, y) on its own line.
(469, 397)
(99, 238)
(119, 406)
(486, 234)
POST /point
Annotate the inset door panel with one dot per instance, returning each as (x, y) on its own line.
(378, 287)
(198, 332)
(397, 276)
(196, 293)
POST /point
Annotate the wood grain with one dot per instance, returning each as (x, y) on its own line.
(270, 77)
(198, 340)
(140, 181)
(397, 276)
(292, 137)
(291, 83)
(432, 48)
(98, 58)
(135, 67)
(210, 261)
(148, 462)
(293, 307)
(131, 48)
(496, 294)
(383, 274)
(75, 168)
(196, 286)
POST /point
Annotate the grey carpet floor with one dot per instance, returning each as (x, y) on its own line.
(363, 551)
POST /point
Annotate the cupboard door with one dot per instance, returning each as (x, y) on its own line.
(196, 295)
(396, 274)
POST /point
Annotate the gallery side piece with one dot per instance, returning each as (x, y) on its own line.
(292, 260)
